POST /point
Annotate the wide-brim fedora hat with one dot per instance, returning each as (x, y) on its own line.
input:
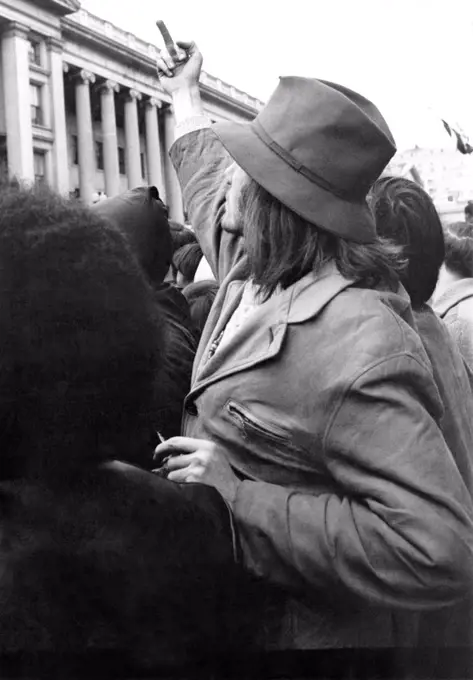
(317, 147)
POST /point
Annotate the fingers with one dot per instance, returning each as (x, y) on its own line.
(179, 462)
(187, 48)
(187, 475)
(165, 63)
(181, 445)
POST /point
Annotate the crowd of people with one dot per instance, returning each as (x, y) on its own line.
(250, 436)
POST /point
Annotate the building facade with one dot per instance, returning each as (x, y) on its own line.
(81, 108)
(446, 174)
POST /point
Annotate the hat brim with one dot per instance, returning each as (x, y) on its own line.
(350, 220)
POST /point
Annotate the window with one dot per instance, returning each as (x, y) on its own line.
(99, 155)
(121, 160)
(35, 52)
(39, 158)
(36, 108)
(143, 165)
(75, 150)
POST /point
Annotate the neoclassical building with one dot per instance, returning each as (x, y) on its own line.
(80, 105)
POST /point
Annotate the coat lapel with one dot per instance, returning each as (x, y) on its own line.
(261, 337)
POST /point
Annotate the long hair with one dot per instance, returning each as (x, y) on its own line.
(406, 214)
(80, 336)
(459, 249)
(283, 247)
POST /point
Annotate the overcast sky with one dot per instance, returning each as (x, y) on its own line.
(413, 58)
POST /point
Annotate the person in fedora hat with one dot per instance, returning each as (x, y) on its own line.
(313, 409)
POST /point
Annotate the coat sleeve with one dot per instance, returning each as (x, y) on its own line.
(200, 161)
(398, 531)
(461, 330)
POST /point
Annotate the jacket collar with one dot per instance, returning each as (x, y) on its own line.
(261, 337)
(453, 295)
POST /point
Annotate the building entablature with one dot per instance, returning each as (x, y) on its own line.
(117, 47)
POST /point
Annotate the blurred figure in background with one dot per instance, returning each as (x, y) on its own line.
(406, 214)
(186, 261)
(453, 298)
(200, 295)
(469, 212)
(142, 217)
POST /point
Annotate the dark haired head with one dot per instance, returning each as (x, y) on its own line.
(142, 217)
(81, 343)
(181, 236)
(459, 249)
(282, 247)
(187, 259)
(469, 211)
(406, 215)
(200, 296)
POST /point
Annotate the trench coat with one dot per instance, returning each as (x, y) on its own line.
(351, 509)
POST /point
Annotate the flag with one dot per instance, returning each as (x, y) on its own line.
(463, 145)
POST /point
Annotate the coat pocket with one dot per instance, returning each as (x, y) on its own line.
(252, 426)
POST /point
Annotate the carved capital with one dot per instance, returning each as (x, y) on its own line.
(134, 95)
(13, 29)
(153, 103)
(65, 67)
(85, 77)
(109, 87)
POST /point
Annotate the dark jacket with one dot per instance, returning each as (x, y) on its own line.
(451, 627)
(452, 378)
(174, 379)
(119, 560)
(142, 217)
(351, 505)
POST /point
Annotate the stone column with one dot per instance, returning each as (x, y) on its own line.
(16, 88)
(85, 136)
(173, 188)
(110, 141)
(132, 138)
(60, 167)
(153, 145)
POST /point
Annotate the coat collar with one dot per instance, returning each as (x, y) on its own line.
(453, 295)
(261, 337)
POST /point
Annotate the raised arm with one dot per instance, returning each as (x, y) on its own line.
(200, 160)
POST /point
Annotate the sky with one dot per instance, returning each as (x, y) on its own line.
(412, 58)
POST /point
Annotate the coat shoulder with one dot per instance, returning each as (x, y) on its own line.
(375, 324)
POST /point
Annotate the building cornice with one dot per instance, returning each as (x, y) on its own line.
(60, 7)
(85, 28)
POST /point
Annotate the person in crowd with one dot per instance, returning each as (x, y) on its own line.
(186, 261)
(200, 296)
(453, 297)
(469, 212)
(181, 235)
(97, 555)
(141, 216)
(406, 214)
(313, 408)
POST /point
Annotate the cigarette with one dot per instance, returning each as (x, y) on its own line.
(160, 437)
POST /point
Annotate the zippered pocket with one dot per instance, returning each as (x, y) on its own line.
(250, 425)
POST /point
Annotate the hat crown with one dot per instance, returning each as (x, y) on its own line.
(335, 135)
